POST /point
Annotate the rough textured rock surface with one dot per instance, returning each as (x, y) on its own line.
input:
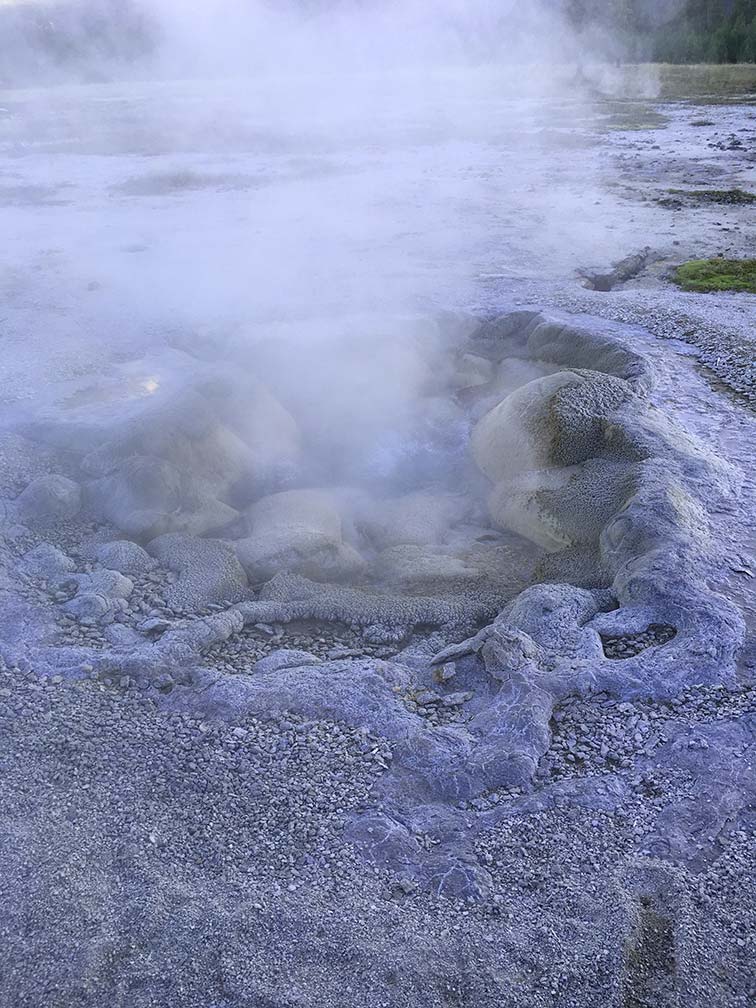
(125, 556)
(48, 499)
(208, 570)
(560, 420)
(46, 561)
(299, 532)
(288, 597)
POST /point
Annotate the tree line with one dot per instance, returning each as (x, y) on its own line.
(670, 31)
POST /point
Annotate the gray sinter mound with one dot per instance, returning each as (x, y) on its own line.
(268, 742)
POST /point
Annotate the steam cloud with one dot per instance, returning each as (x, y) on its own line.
(232, 34)
(315, 176)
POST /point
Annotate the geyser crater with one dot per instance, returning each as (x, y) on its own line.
(488, 536)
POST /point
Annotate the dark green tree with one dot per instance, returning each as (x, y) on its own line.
(719, 31)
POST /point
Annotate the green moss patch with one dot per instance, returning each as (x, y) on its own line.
(706, 275)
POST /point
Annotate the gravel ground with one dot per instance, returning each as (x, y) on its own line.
(599, 734)
(154, 860)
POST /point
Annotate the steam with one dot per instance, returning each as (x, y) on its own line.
(298, 187)
(287, 38)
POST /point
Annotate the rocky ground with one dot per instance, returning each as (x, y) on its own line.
(251, 827)
(151, 859)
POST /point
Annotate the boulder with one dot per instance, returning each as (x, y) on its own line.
(147, 496)
(49, 499)
(361, 695)
(561, 419)
(472, 371)
(125, 556)
(299, 532)
(559, 458)
(183, 429)
(90, 608)
(139, 495)
(46, 561)
(209, 572)
(418, 519)
(518, 505)
(110, 583)
(562, 507)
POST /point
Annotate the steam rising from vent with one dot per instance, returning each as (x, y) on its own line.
(88, 41)
(297, 189)
(99, 39)
(294, 38)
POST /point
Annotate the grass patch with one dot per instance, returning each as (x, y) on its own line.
(708, 275)
(684, 81)
(627, 124)
(630, 115)
(733, 197)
